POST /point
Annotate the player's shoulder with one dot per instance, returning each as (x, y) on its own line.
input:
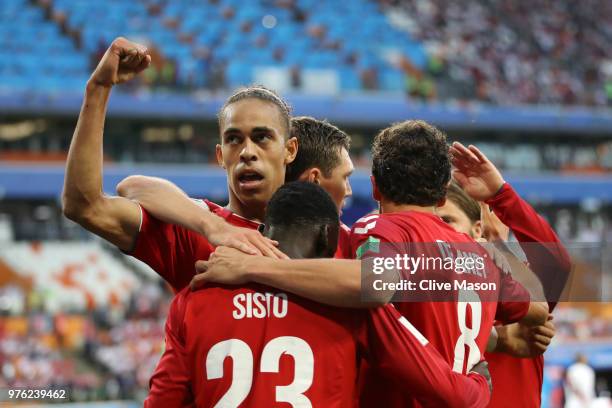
(229, 216)
(179, 303)
(206, 204)
(370, 231)
(371, 223)
(383, 224)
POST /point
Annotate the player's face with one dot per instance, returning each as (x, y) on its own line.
(337, 184)
(253, 150)
(456, 218)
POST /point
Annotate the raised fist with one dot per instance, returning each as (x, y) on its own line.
(122, 61)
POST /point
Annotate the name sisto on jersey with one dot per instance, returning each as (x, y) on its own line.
(257, 305)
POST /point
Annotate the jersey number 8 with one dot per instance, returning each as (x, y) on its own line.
(468, 334)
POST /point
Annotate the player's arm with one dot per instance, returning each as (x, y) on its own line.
(397, 350)
(177, 208)
(83, 201)
(335, 282)
(547, 256)
(170, 383)
(521, 285)
(521, 341)
(482, 181)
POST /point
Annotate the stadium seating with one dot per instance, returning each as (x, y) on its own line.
(241, 37)
(30, 46)
(72, 276)
(430, 50)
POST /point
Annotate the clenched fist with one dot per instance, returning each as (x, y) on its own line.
(122, 61)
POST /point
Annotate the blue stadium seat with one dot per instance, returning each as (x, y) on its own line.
(349, 79)
(392, 80)
(204, 20)
(238, 74)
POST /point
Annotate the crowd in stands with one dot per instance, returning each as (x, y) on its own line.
(97, 356)
(92, 354)
(502, 52)
(513, 52)
(580, 324)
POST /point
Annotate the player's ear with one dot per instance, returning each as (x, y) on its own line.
(219, 155)
(291, 149)
(315, 176)
(309, 176)
(477, 229)
(375, 191)
(441, 202)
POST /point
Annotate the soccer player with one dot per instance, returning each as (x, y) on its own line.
(546, 255)
(461, 212)
(322, 158)
(255, 147)
(285, 349)
(411, 169)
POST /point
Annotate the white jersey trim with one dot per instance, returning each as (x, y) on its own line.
(415, 332)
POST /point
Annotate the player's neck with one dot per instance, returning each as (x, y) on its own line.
(390, 207)
(250, 212)
(296, 249)
(291, 245)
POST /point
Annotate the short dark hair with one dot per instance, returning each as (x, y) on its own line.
(411, 163)
(319, 144)
(264, 94)
(299, 204)
(467, 204)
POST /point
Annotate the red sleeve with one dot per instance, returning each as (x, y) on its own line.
(170, 383)
(170, 250)
(549, 261)
(398, 350)
(509, 310)
(367, 235)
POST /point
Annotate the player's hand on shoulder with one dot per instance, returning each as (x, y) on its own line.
(247, 240)
(227, 266)
(474, 172)
(122, 61)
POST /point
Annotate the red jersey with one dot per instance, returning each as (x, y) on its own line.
(459, 330)
(344, 241)
(172, 250)
(256, 346)
(526, 374)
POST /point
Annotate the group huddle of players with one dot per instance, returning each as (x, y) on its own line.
(268, 308)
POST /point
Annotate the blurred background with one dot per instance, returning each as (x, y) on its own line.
(530, 83)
